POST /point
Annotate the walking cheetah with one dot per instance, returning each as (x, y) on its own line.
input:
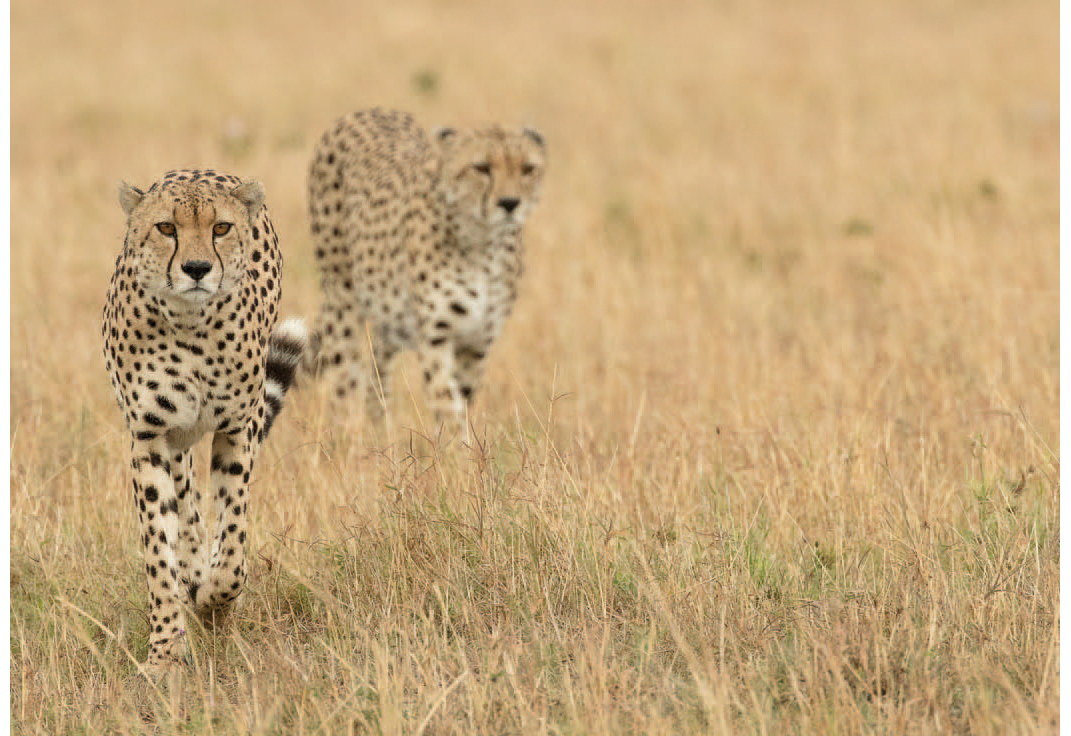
(190, 347)
(420, 237)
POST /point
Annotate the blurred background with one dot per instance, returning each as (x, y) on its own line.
(833, 222)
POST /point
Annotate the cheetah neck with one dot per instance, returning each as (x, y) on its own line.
(467, 239)
(184, 316)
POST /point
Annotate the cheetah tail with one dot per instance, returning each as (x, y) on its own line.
(287, 347)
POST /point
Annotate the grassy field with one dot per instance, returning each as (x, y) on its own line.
(771, 444)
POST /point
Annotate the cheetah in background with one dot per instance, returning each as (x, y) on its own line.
(419, 237)
(190, 348)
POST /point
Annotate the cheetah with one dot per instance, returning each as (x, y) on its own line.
(418, 241)
(190, 348)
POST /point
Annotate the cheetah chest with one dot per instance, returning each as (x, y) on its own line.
(468, 309)
(191, 387)
(476, 301)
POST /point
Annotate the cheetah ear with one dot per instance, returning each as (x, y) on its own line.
(251, 194)
(434, 163)
(441, 133)
(535, 135)
(129, 197)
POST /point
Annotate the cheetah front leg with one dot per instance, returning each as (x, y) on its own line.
(469, 362)
(158, 519)
(190, 545)
(444, 394)
(232, 463)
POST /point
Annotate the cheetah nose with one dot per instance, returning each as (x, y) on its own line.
(508, 204)
(196, 270)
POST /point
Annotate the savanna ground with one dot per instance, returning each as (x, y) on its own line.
(769, 446)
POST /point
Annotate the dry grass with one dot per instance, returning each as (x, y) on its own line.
(770, 446)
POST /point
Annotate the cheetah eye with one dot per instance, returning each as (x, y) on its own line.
(527, 169)
(166, 228)
(484, 168)
(221, 228)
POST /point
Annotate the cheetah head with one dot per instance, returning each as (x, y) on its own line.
(188, 236)
(491, 176)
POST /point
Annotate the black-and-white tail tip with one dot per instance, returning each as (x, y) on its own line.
(287, 347)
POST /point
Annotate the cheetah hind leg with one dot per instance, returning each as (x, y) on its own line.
(363, 380)
(347, 384)
(335, 358)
